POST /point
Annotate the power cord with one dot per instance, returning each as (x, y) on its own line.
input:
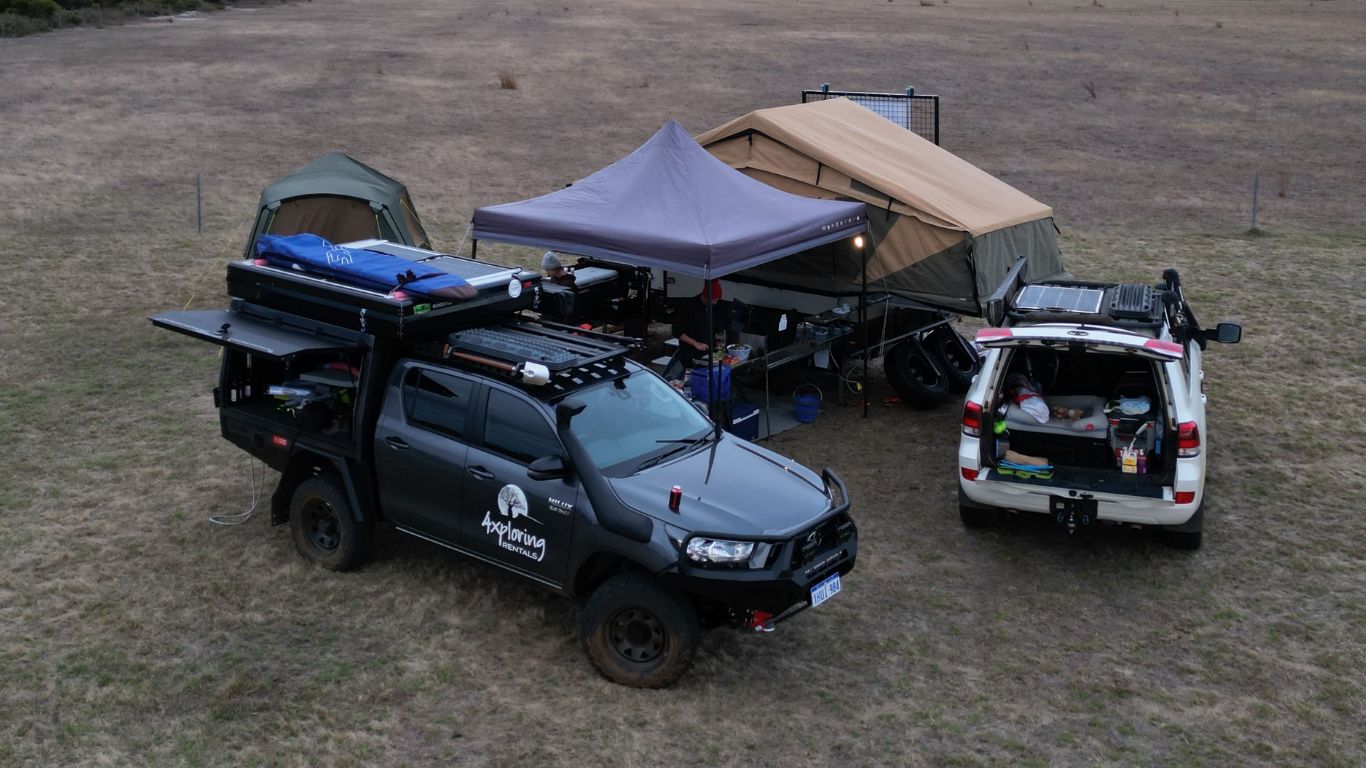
(257, 484)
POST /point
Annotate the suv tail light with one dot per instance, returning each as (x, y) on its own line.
(1187, 439)
(1183, 497)
(972, 419)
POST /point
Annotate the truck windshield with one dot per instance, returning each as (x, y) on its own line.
(631, 418)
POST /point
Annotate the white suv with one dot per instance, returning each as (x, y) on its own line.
(1089, 406)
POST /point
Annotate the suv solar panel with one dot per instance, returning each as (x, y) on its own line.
(1061, 298)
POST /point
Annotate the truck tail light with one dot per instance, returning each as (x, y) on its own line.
(972, 419)
(968, 474)
(1187, 439)
(279, 441)
(1183, 497)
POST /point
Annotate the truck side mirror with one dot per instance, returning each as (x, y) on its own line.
(1226, 333)
(548, 468)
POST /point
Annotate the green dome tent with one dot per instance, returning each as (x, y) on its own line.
(341, 199)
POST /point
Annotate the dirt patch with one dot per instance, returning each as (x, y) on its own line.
(132, 631)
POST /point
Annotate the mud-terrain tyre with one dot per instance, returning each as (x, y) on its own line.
(915, 376)
(1190, 534)
(324, 527)
(956, 357)
(637, 633)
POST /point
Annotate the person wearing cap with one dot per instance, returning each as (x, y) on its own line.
(555, 271)
(691, 328)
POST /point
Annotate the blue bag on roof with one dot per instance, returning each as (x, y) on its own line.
(361, 268)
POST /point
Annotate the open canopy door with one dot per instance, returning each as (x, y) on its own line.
(670, 204)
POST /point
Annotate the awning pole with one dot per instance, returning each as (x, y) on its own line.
(863, 320)
(713, 386)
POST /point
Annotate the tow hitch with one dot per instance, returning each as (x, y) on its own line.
(1073, 513)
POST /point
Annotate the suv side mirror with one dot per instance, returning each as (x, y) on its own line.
(1226, 333)
(548, 468)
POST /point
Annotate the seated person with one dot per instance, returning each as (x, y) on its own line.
(691, 328)
(555, 271)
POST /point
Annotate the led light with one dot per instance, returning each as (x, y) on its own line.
(719, 551)
(858, 241)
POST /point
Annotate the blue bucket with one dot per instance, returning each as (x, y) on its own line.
(806, 406)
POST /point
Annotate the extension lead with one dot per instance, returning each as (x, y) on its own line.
(256, 485)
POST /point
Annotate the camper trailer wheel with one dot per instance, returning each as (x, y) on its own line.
(914, 374)
(323, 527)
(955, 355)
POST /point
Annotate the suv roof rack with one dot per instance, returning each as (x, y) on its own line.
(1140, 307)
(501, 290)
(575, 357)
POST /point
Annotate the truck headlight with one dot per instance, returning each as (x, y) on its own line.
(719, 551)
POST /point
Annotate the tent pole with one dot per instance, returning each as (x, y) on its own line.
(474, 249)
(863, 321)
(713, 386)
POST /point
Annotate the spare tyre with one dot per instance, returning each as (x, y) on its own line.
(915, 375)
(956, 356)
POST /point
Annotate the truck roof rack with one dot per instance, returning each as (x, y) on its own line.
(575, 357)
(501, 291)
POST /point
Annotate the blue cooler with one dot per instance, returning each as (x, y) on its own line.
(744, 420)
(697, 383)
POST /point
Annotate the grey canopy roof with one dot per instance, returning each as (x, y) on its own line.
(670, 204)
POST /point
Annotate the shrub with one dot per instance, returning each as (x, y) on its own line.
(33, 9)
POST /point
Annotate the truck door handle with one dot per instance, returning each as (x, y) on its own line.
(480, 472)
(395, 441)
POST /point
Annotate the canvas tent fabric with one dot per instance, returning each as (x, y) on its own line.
(671, 205)
(341, 199)
(945, 232)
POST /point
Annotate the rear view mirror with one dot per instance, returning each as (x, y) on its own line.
(548, 468)
(1226, 333)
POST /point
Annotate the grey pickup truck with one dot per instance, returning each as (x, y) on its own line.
(541, 449)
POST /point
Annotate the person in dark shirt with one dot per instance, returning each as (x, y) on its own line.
(555, 271)
(691, 329)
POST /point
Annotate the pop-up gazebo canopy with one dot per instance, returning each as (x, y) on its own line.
(670, 204)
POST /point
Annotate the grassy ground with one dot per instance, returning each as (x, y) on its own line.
(132, 631)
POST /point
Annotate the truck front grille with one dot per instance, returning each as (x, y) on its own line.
(808, 544)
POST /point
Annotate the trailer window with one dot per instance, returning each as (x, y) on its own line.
(437, 401)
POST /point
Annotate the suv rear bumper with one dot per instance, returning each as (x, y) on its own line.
(1123, 509)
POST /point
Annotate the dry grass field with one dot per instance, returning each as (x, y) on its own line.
(134, 632)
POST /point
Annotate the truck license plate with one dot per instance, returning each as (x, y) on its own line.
(825, 590)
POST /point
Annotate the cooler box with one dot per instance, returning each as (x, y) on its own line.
(744, 420)
(697, 383)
